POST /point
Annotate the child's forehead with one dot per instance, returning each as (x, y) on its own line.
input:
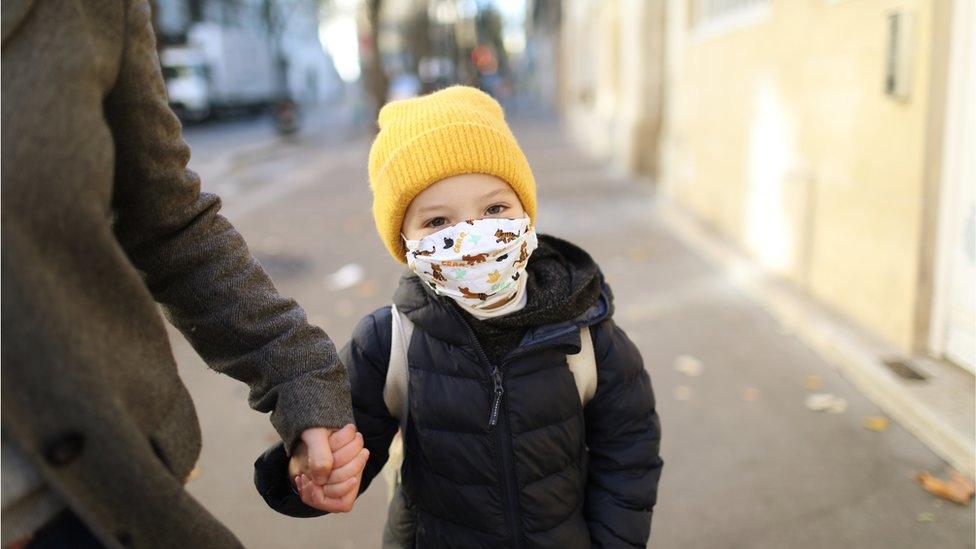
(462, 188)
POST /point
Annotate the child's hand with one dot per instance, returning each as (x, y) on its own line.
(312, 455)
(327, 468)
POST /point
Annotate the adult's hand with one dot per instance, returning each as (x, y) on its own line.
(345, 456)
(312, 456)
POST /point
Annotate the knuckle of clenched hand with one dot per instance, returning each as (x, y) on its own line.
(320, 471)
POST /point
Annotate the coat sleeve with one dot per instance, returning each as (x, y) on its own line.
(367, 357)
(623, 435)
(198, 267)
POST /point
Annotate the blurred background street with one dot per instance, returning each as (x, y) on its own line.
(779, 192)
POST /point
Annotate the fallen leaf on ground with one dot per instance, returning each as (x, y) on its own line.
(688, 365)
(812, 382)
(367, 289)
(638, 254)
(826, 402)
(878, 424)
(958, 489)
(960, 478)
(346, 277)
(926, 517)
(682, 392)
(750, 394)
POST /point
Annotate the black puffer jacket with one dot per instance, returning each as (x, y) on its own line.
(546, 472)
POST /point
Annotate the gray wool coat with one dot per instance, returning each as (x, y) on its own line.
(101, 221)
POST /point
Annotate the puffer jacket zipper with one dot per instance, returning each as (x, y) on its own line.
(508, 470)
(498, 422)
(499, 381)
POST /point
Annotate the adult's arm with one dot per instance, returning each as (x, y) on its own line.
(367, 356)
(198, 267)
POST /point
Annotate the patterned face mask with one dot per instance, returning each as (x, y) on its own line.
(477, 263)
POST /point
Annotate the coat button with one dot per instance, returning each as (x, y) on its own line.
(65, 449)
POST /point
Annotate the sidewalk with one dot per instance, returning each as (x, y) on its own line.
(746, 463)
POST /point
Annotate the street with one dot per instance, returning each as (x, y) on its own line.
(747, 464)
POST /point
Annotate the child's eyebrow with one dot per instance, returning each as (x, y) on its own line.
(431, 208)
(495, 192)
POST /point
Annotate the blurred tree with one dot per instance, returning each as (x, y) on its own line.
(417, 36)
(196, 9)
(276, 14)
(374, 75)
(545, 15)
(489, 25)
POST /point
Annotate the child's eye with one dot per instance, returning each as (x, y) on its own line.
(495, 209)
(436, 222)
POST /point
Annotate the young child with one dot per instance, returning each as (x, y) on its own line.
(499, 449)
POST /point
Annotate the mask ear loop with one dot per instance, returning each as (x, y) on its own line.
(407, 241)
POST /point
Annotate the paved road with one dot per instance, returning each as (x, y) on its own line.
(747, 465)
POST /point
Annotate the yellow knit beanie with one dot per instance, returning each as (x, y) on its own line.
(422, 140)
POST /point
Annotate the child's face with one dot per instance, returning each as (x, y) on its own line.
(460, 198)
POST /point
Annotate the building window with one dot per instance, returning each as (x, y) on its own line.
(711, 18)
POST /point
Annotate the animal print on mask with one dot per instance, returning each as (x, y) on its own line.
(474, 259)
(523, 255)
(437, 273)
(473, 295)
(502, 236)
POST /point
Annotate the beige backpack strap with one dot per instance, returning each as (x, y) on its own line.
(395, 398)
(583, 366)
(397, 374)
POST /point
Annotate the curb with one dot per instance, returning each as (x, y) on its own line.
(857, 355)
